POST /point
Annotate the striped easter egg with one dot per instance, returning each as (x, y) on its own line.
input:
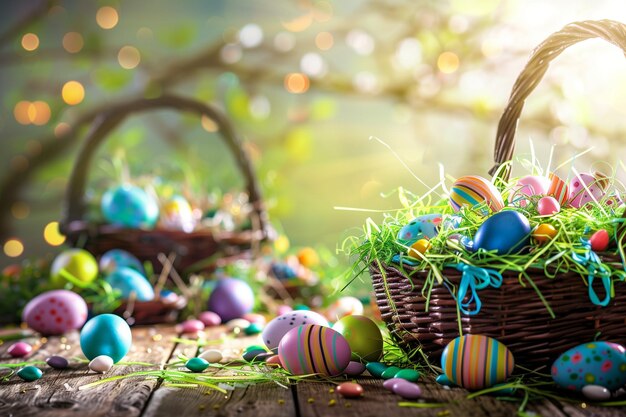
(558, 189)
(477, 362)
(314, 349)
(472, 191)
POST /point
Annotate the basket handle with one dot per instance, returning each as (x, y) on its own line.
(107, 121)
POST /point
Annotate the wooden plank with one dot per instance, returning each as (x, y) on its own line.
(123, 398)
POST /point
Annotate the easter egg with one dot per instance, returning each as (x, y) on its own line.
(558, 189)
(505, 232)
(530, 185)
(326, 351)
(231, 298)
(116, 258)
(79, 263)
(363, 336)
(421, 246)
(178, 215)
(55, 312)
(209, 318)
(472, 190)
(544, 233)
(584, 189)
(476, 362)
(596, 363)
(308, 257)
(420, 227)
(106, 334)
(279, 326)
(344, 306)
(129, 206)
(128, 281)
(599, 240)
(548, 205)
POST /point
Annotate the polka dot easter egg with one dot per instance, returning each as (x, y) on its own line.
(476, 362)
(420, 227)
(472, 191)
(313, 349)
(586, 188)
(597, 363)
(130, 206)
(279, 326)
(55, 312)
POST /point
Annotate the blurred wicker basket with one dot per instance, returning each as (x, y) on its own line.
(512, 313)
(203, 248)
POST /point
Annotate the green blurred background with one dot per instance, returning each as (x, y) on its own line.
(307, 84)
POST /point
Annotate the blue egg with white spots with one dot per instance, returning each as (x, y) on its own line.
(130, 206)
(115, 258)
(426, 226)
(127, 281)
(106, 334)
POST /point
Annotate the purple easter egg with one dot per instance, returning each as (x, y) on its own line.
(231, 298)
(19, 349)
(407, 390)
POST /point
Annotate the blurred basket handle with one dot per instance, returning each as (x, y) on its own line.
(108, 120)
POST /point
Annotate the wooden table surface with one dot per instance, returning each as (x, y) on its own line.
(58, 393)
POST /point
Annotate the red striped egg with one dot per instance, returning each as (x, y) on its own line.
(314, 349)
(558, 189)
(477, 362)
(472, 191)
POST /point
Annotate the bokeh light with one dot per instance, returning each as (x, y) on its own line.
(296, 83)
(284, 41)
(107, 17)
(73, 93)
(51, 234)
(313, 64)
(30, 42)
(61, 129)
(251, 35)
(128, 57)
(448, 62)
(324, 41)
(20, 112)
(231, 53)
(20, 210)
(299, 24)
(36, 112)
(73, 42)
(13, 248)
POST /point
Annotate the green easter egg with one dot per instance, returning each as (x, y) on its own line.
(363, 336)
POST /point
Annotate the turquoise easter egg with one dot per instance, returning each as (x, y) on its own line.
(314, 349)
(472, 190)
(506, 232)
(476, 362)
(420, 227)
(106, 334)
(596, 363)
(130, 206)
(116, 258)
(127, 281)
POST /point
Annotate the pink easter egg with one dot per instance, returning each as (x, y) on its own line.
(283, 309)
(209, 318)
(326, 351)
(599, 240)
(255, 318)
(191, 326)
(529, 185)
(585, 188)
(55, 312)
(19, 349)
(548, 205)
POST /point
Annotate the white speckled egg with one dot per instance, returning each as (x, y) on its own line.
(278, 327)
(55, 312)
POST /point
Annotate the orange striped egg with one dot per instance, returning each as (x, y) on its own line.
(558, 189)
(477, 362)
(472, 191)
(314, 349)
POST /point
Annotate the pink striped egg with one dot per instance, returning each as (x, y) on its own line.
(314, 349)
(477, 362)
(472, 191)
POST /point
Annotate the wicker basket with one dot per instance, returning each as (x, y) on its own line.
(189, 248)
(513, 313)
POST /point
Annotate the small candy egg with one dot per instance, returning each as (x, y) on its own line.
(327, 350)
(274, 361)
(308, 257)
(30, 373)
(376, 369)
(197, 364)
(55, 312)
(354, 368)
(128, 281)
(389, 383)
(505, 232)
(191, 326)
(407, 390)
(350, 390)
(78, 263)
(596, 393)
(548, 205)
(444, 380)
(210, 318)
(487, 362)
(106, 334)
(115, 258)
(283, 309)
(57, 362)
(237, 325)
(279, 326)
(410, 375)
(344, 306)
(19, 349)
(231, 298)
(544, 233)
(251, 354)
(101, 364)
(599, 240)
(255, 318)
(585, 188)
(253, 328)
(419, 247)
(472, 191)
(130, 206)
(390, 372)
(558, 189)
(211, 355)
(363, 336)
(301, 307)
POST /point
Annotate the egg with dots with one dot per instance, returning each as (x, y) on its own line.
(587, 188)
(106, 334)
(76, 265)
(177, 214)
(476, 362)
(528, 186)
(426, 226)
(231, 298)
(279, 326)
(128, 282)
(474, 191)
(314, 349)
(130, 206)
(55, 312)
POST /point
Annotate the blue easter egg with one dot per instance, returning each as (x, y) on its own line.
(106, 334)
(130, 206)
(231, 299)
(282, 270)
(426, 226)
(127, 280)
(115, 258)
(596, 363)
(506, 232)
